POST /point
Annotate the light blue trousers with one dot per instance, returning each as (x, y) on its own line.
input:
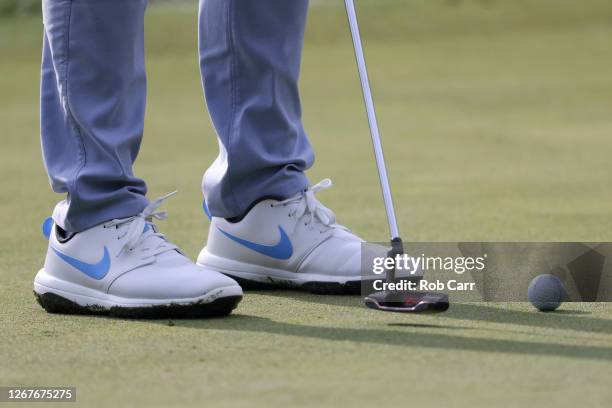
(93, 95)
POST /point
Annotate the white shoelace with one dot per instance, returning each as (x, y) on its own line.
(306, 204)
(135, 237)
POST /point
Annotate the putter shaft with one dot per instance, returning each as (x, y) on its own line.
(373, 122)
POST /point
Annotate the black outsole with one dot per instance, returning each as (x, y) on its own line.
(317, 288)
(54, 303)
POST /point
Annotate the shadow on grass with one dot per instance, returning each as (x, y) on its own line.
(427, 326)
(570, 312)
(251, 324)
(561, 319)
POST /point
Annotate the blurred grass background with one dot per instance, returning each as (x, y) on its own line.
(496, 119)
(495, 115)
(11, 8)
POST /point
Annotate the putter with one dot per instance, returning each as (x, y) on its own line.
(390, 301)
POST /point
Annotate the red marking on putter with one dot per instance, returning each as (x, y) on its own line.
(410, 302)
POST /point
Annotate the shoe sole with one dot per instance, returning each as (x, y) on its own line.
(255, 277)
(74, 299)
(56, 304)
(314, 287)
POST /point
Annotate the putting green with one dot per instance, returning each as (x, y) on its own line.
(496, 121)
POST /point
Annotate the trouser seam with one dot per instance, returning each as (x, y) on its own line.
(235, 91)
(72, 120)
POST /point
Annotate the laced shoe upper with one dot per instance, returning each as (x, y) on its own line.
(141, 264)
(139, 234)
(317, 242)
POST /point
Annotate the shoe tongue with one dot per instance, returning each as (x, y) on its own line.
(149, 231)
(323, 214)
(148, 237)
(149, 226)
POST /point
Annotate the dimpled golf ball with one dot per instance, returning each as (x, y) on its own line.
(546, 292)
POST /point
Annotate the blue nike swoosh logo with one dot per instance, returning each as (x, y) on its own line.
(96, 271)
(282, 250)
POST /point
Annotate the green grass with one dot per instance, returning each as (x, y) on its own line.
(496, 119)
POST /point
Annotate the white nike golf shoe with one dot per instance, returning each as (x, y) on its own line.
(126, 268)
(293, 243)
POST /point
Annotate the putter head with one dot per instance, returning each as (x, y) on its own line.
(408, 302)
